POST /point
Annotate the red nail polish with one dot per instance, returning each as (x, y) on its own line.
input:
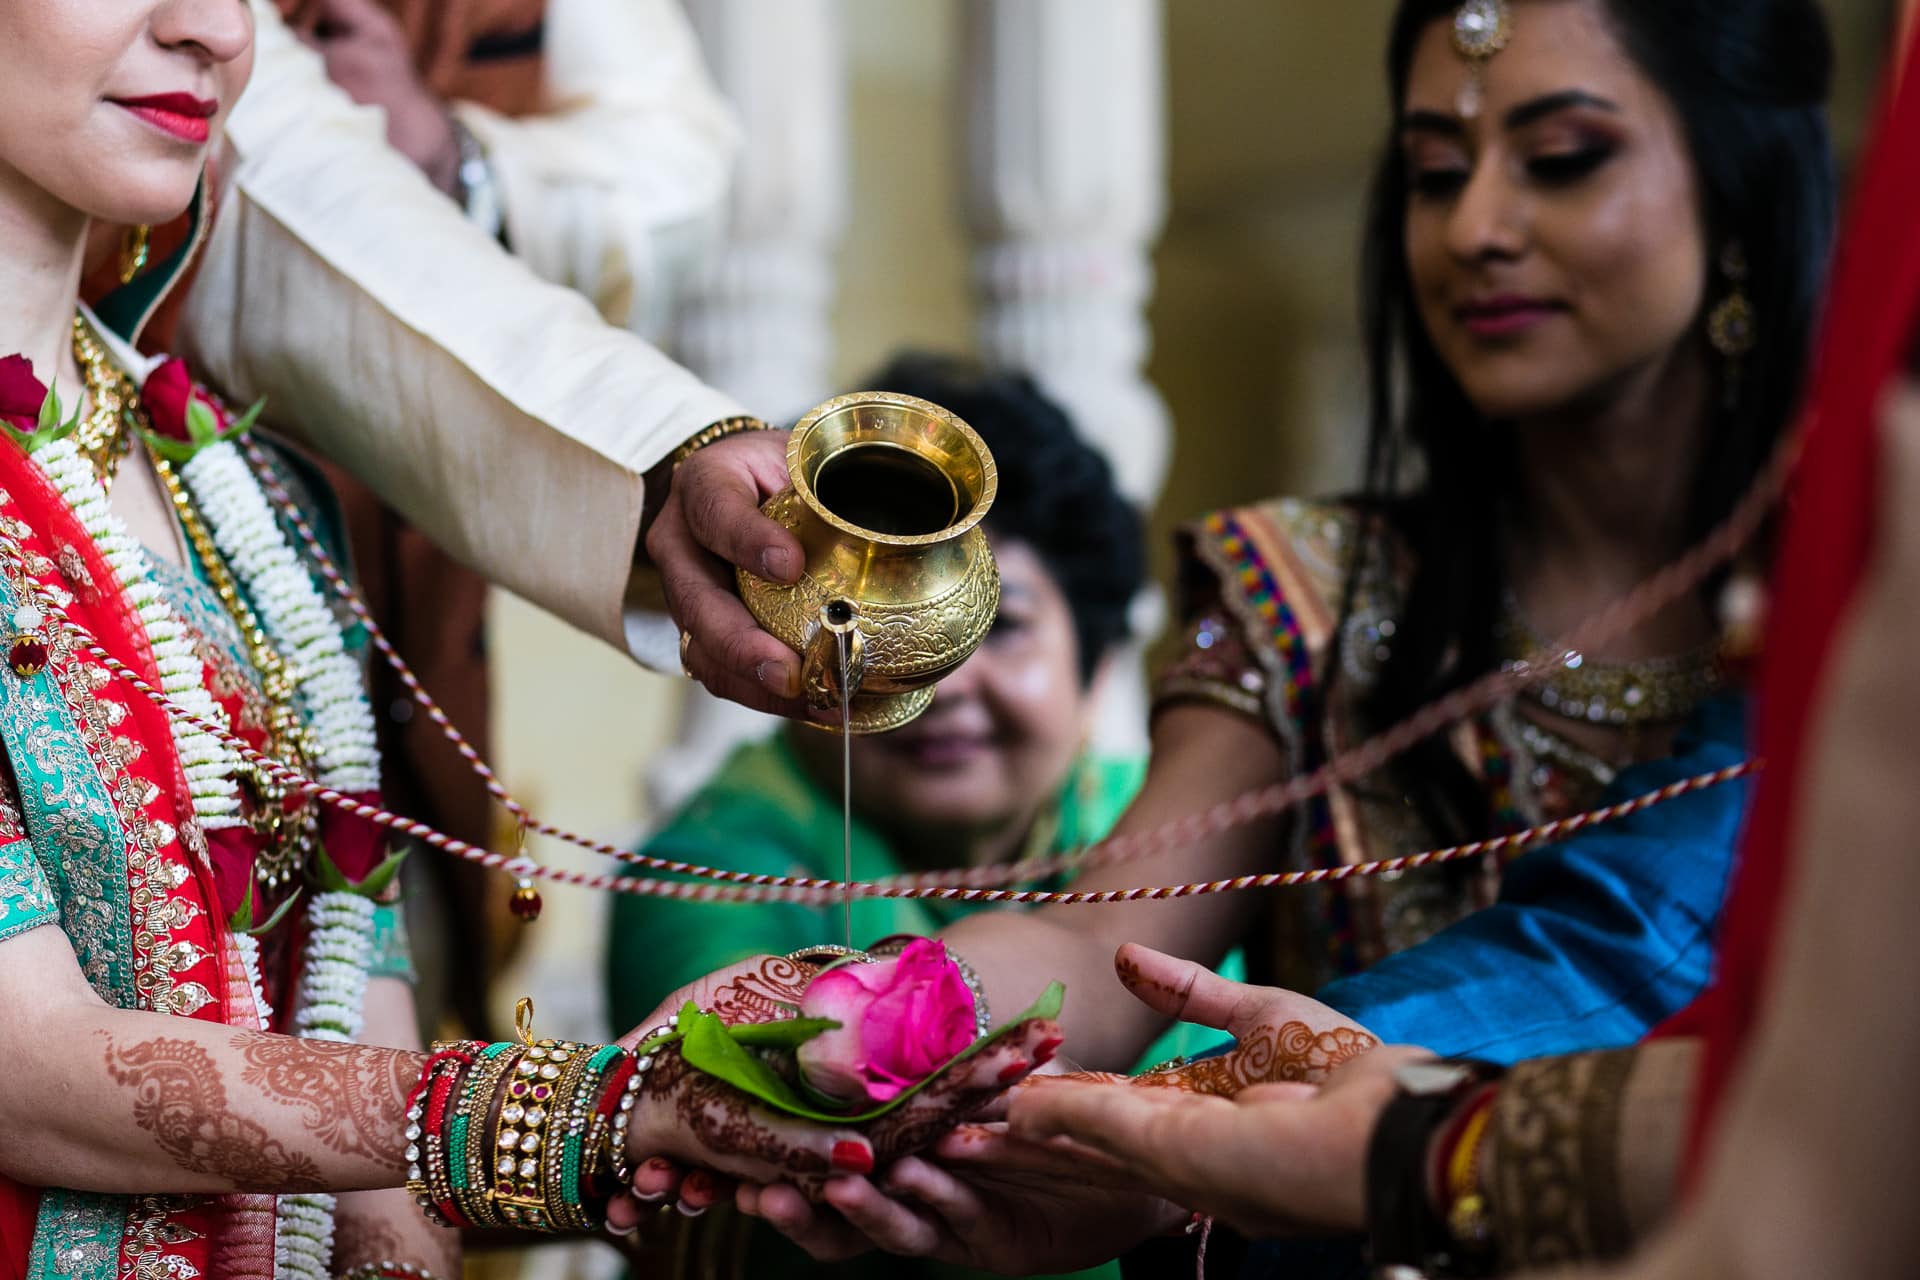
(852, 1157)
(1044, 1051)
(1013, 1071)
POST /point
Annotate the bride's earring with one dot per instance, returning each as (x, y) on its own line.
(1730, 323)
(134, 247)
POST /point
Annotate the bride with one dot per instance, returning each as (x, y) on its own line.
(196, 961)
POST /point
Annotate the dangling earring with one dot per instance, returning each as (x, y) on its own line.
(1730, 323)
(133, 252)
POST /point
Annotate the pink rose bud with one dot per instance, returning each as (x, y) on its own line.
(900, 1021)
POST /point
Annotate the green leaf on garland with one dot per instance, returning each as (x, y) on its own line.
(244, 423)
(177, 452)
(242, 918)
(48, 426)
(708, 1045)
(50, 409)
(273, 921)
(333, 880)
(203, 425)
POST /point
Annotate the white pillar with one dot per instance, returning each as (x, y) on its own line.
(1065, 150)
(757, 322)
(1066, 168)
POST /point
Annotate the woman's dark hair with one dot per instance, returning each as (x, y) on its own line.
(1056, 491)
(1748, 79)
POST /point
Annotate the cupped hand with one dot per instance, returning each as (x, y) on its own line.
(710, 524)
(686, 1120)
(1280, 1036)
(1270, 1136)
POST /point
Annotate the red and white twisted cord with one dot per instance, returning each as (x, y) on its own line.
(1645, 600)
(757, 888)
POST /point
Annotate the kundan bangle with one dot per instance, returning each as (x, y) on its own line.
(716, 432)
(470, 1156)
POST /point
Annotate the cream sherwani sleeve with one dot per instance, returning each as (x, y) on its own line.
(497, 412)
(620, 186)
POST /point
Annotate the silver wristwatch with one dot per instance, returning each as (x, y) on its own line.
(477, 194)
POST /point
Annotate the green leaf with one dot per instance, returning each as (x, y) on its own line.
(708, 1046)
(178, 452)
(788, 1033)
(333, 880)
(50, 410)
(273, 921)
(241, 921)
(245, 421)
(202, 425)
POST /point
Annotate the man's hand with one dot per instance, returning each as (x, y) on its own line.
(710, 524)
(366, 54)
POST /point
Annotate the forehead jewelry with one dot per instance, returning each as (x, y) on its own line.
(1481, 28)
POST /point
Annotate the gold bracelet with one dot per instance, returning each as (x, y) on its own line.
(715, 432)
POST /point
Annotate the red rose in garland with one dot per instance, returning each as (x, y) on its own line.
(183, 416)
(30, 410)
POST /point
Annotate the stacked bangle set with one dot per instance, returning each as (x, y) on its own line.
(528, 1135)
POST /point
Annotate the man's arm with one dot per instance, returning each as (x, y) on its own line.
(498, 413)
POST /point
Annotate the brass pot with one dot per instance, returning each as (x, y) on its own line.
(887, 498)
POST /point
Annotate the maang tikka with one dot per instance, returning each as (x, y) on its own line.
(1481, 28)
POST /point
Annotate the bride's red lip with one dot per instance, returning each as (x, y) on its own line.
(180, 114)
(180, 104)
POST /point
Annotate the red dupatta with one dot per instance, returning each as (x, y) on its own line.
(1829, 528)
(175, 900)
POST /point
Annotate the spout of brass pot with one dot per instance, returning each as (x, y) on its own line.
(820, 669)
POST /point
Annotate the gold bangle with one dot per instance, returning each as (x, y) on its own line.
(714, 432)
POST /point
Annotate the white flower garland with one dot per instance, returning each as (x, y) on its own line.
(210, 768)
(293, 612)
(331, 1002)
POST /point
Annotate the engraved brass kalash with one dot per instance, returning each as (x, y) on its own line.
(887, 498)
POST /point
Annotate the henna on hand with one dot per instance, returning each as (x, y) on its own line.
(1290, 1053)
(179, 1099)
(350, 1096)
(767, 993)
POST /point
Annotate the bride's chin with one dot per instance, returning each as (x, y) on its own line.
(150, 194)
